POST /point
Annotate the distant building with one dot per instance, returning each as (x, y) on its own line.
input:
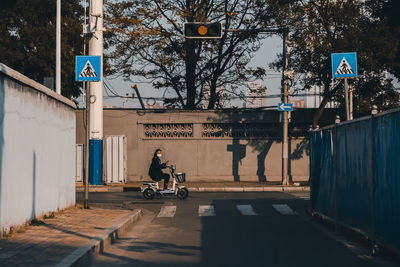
(153, 106)
(109, 106)
(297, 102)
(314, 98)
(206, 97)
(255, 95)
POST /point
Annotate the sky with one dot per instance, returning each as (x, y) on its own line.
(266, 54)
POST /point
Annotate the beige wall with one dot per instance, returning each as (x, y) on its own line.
(206, 158)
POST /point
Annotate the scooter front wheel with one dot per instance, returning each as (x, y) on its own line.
(148, 193)
(182, 193)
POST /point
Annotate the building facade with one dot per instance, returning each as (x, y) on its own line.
(255, 94)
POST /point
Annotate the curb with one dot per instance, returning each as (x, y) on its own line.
(84, 255)
(100, 188)
(251, 189)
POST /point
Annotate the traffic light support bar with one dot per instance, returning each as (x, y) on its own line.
(265, 30)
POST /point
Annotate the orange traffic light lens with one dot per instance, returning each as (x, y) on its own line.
(202, 30)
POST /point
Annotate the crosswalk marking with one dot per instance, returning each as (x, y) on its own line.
(206, 210)
(302, 195)
(246, 209)
(167, 211)
(283, 209)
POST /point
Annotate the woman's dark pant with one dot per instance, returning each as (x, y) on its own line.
(165, 177)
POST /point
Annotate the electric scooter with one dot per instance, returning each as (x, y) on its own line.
(151, 188)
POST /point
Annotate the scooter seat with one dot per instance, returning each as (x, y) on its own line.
(149, 182)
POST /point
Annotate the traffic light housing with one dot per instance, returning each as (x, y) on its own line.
(202, 30)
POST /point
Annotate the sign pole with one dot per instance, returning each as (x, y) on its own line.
(346, 94)
(351, 103)
(344, 66)
(285, 99)
(86, 202)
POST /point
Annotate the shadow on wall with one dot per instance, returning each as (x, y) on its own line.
(33, 215)
(258, 130)
(238, 153)
(261, 160)
(2, 93)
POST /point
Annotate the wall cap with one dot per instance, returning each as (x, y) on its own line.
(7, 71)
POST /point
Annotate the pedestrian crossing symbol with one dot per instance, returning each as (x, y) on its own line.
(344, 68)
(88, 71)
(88, 68)
(344, 65)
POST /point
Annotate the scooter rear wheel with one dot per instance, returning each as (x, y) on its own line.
(182, 193)
(148, 193)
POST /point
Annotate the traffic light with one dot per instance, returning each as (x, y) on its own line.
(203, 30)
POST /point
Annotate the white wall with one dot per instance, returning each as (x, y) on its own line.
(37, 150)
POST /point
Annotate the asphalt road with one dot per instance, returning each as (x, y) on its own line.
(227, 229)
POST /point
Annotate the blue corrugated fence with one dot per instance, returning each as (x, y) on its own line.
(355, 175)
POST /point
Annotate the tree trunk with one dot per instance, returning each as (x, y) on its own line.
(320, 111)
(213, 94)
(190, 63)
(328, 96)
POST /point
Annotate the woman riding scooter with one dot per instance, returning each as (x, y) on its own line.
(156, 167)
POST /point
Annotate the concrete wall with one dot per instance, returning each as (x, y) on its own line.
(37, 150)
(253, 154)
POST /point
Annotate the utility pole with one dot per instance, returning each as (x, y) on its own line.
(285, 99)
(96, 94)
(58, 48)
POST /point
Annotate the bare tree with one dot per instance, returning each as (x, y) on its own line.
(146, 39)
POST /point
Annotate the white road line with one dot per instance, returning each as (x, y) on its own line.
(303, 196)
(167, 211)
(206, 210)
(284, 209)
(246, 209)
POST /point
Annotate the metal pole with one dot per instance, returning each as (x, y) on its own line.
(346, 98)
(138, 95)
(351, 104)
(86, 203)
(58, 48)
(285, 99)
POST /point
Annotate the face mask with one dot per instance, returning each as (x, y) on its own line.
(159, 155)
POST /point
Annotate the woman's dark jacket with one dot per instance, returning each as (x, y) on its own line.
(156, 167)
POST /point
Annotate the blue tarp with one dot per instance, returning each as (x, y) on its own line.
(323, 173)
(354, 174)
(387, 179)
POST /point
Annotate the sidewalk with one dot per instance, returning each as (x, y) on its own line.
(206, 187)
(71, 235)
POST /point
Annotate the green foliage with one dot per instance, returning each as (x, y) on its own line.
(146, 39)
(386, 14)
(319, 28)
(28, 39)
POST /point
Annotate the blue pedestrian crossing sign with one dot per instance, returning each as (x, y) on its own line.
(87, 68)
(344, 65)
(285, 107)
